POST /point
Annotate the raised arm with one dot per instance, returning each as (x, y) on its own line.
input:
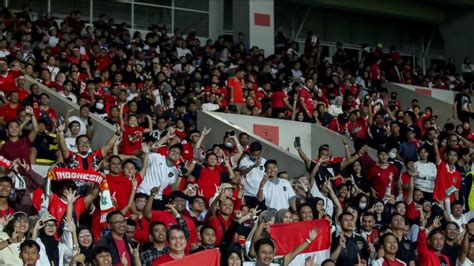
(464, 245)
(149, 203)
(131, 198)
(303, 156)
(211, 214)
(34, 122)
(92, 195)
(290, 256)
(110, 143)
(62, 142)
(150, 124)
(436, 151)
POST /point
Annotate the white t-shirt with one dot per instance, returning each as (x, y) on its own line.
(467, 262)
(254, 177)
(425, 181)
(328, 204)
(158, 173)
(277, 193)
(380, 262)
(71, 95)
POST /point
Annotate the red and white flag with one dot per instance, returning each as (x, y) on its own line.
(288, 236)
(210, 257)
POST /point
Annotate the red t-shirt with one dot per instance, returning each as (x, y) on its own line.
(89, 162)
(162, 259)
(220, 225)
(120, 188)
(58, 207)
(375, 72)
(132, 139)
(389, 262)
(278, 99)
(142, 234)
(445, 179)
(7, 82)
(168, 219)
(9, 113)
(379, 178)
(18, 149)
(238, 90)
(303, 94)
(122, 249)
(49, 114)
(361, 126)
(207, 181)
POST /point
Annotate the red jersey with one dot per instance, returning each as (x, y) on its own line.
(120, 189)
(207, 181)
(278, 99)
(7, 82)
(8, 112)
(132, 139)
(305, 95)
(220, 224)
(379, 178)
(88, 162)
(445, 178)
(375, 72)
(162, 259)
(238, 89)
(358, 129)
(168, 219)
(142, 233)
(58, 207)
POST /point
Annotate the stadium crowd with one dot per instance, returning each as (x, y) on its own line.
(161, 195)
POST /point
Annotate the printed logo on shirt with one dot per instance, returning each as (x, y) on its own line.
(360, 245)
(170, 174)
(407, 245)
(284, 188)
(455, 179)
(261, 167)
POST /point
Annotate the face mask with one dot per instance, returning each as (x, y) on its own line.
(99, 106)
(362, 205)
(140, 205)
(228, 145)
(392, 155)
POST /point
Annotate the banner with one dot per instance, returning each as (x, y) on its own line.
(59, 174)
(288, 236)
(210, 257)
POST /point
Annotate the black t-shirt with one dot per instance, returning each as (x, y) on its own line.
(378, 137)
(355, 245)
(461, 100)
(406, 251)
(451, 252)
(442, 261)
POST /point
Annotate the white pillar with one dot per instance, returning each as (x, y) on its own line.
(261, 25)
(216, 19)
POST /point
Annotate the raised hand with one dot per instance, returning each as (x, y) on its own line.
(4, 220)
(172, 209)
(123, 259)
(24, 165)
(437, 221)
(309, 261)
(154, 191)
(71, 196)
(313, 234)
(29, 110)
(70, 225)
(145, 148)
(205, 131)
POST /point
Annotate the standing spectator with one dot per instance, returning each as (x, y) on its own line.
(382, 175)
(157, 247)
(462, 107)
(235, 86)
(252, 169)
(467, 70)
(276, 192)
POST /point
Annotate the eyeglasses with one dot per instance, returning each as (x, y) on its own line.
(50, 225)
(175, 151)
(83, 142)
(75, 126)
(23, 221)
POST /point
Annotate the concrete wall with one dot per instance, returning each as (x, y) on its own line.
(278, 138)
(102, 130)
(240, 18)
(286, 161)
(443, 109)
(458, 38)
(446, 96)
(216, 18)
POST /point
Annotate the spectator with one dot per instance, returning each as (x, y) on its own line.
(252, 169)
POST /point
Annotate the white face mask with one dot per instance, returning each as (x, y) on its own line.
(228, 145)
(99, 106)
(362, 205)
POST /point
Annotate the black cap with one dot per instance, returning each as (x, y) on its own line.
(175, 195)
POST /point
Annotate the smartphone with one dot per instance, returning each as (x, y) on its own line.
(231, 133)
(297, 141)
(450, 190)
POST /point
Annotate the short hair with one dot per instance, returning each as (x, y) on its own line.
(111, 214)
(112, 157)
(141, 196)
(303, 205)
(344, 214)
(456, 202)
(152, 225)
(99, 250)
(29, 244)
(255, 146)
(270, 162)
(264, 241)
(176, 228)
(130, 222)
(382, 238)
(6, 179)
(448, 223)
(368, 214)
(206, 227)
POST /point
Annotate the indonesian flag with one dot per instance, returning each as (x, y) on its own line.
(210, 257)
(288, 236)
(5, 162)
